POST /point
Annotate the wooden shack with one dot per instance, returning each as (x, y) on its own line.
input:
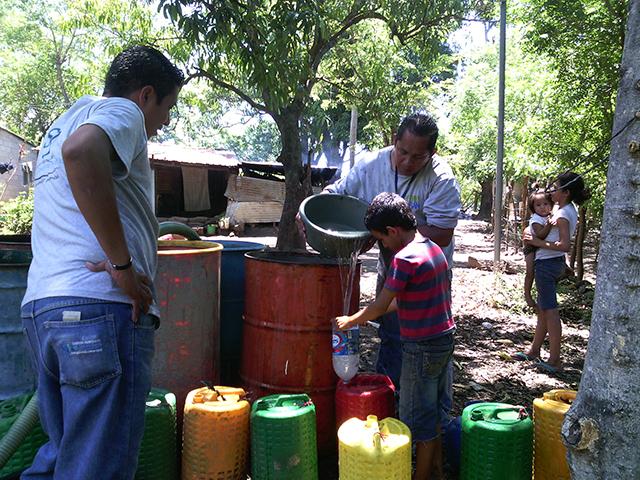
(191, 182)
(257, 195)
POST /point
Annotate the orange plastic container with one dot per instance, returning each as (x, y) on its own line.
(550, 454)
(215, 434)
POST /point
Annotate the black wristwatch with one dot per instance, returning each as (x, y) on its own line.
(124, 266)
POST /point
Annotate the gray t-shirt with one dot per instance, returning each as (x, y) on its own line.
(61, 238)
(434, 194)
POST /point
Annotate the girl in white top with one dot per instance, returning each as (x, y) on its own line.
(549, 265)
(540, 205)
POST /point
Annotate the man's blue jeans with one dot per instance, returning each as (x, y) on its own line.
(93, 367)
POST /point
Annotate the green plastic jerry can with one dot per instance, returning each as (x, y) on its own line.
(158, 457)
(22, 458)
(497, 442)
(283, 438)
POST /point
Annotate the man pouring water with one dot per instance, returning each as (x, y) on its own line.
(410, 168)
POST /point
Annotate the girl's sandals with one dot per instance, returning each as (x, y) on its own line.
(547, 367)
(523, 357)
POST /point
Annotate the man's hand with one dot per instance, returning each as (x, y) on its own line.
(135, 285)
(368, 245)
(343, 322)
(300, 225)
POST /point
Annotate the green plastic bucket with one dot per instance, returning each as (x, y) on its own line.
(283, 438)
(334, 224)
(158, 457)
(22, 458)
(497, 442)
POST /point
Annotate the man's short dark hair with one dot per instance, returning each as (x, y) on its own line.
(139, 66)
(422, 125)
(389, 210)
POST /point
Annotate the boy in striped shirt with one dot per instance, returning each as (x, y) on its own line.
(417, 287)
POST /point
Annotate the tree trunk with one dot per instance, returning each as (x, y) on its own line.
(578, 264)
(517, 238)
(297, 179)
(506, 207)
(330, 148)
(574, 249)
(524, 208)
(486, 199)
(601, 430)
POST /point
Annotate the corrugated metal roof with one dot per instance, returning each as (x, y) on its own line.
(191, 156)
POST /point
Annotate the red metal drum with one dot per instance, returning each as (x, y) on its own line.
(366, 394)
(290, 300)
(187, 344)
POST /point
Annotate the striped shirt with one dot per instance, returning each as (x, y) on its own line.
(418, 276)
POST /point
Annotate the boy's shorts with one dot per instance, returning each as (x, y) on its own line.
(423, 382)
(547, 273)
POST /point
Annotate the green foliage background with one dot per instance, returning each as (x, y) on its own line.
(562, 75)
(16, 215)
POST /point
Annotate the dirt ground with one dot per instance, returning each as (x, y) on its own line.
(493, 322)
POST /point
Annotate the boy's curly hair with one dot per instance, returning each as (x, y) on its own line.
(389, 210)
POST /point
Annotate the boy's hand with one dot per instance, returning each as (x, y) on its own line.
(300, 226)
(343, 322)
(368, 245)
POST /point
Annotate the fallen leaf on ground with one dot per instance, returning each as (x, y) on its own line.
(505, 356)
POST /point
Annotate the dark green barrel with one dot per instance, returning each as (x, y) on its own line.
(10, 410)
(232, 286)
(16, 369)
(158, 457)
(497, 442)
(283, 438)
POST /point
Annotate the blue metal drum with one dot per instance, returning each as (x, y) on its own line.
(232, 285)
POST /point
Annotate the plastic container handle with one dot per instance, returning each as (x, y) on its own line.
(178, 229)
(565, 396)
(293, 399)
(282, 399)
(497, 411)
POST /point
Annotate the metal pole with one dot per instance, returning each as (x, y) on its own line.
(497, 214)
(353, 130)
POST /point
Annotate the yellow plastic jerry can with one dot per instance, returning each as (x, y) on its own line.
(215, 440)
(374, 450)
(550, 454)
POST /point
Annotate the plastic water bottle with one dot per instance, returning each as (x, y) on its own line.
(345, 352)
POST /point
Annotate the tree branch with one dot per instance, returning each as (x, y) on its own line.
(59, 59)
(318, 50)
(340, 87)
(221, 83)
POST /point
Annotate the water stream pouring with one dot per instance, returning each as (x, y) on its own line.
(335, 227)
